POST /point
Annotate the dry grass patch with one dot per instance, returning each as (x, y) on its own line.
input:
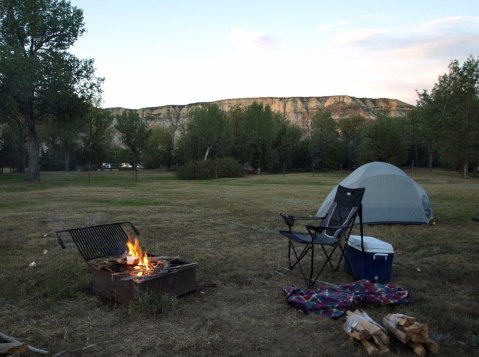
(229, 227)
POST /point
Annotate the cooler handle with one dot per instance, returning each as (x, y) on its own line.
(384, 255)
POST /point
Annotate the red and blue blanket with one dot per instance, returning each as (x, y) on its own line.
(334, 301)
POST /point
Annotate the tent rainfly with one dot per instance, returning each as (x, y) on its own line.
(391, 196)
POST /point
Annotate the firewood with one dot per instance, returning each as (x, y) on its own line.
(371, 335)
(369, 327)
(357, 335)
(403, 320)
(381, 339)
(415, 328)
(417, 348)
(382, 348)
(13, 347)
(370, 347)
(402, 335)
(415, 335)
(432, 346)
(406, 320)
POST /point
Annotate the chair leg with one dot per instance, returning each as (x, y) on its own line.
(298, 257)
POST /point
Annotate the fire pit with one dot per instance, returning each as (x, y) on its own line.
(128, 270)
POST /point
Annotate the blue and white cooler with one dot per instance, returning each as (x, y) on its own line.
(376, 264)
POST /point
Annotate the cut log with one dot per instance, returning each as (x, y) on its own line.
(383, 350)
(406, 320)
(417, 348)
(415, 328)
(402, 335)
(357, 335)
(370, 347)
(432, 346)
(418, 338)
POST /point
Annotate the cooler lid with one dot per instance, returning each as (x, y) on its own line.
(371, 244)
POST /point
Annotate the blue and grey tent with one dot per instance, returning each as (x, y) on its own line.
(391, 196)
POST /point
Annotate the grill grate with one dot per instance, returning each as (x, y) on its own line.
(98, 241)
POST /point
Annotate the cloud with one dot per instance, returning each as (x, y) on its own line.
(361, 37)
(328, 27)
(447, 38)
(253, 41)
(456, 24)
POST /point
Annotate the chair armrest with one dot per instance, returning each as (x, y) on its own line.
(289, 220)
(317, 228)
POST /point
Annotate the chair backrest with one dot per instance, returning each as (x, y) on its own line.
(343, 211)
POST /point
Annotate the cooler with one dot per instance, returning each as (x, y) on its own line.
(376, 266)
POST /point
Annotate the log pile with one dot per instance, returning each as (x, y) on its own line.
(359, 326)
(410, 332)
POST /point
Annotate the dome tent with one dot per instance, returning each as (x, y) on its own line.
(391, 196)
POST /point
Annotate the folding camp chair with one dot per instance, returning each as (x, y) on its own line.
(334, 227)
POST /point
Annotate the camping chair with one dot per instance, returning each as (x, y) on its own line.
(335, 226)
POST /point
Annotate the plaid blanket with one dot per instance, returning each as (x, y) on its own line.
(334, 301)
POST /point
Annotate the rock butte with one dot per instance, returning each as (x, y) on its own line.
(298, 110)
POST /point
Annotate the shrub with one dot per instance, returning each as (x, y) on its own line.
(210, 169)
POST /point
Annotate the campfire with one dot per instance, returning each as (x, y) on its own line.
(120, 279)
(135, 262)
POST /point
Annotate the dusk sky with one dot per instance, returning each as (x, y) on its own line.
(159, 52)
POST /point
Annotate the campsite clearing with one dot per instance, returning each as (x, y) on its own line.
(230, 227)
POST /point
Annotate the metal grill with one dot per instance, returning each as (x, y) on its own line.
(98, 241)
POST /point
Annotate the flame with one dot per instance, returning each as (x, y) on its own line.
(144, 263)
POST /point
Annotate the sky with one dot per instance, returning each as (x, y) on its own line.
(163, 52)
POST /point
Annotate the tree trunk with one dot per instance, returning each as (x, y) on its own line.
(207, 152)
(33, 151)
(466, 169)
(66, 155)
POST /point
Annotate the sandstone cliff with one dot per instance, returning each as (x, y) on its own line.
(298, 110)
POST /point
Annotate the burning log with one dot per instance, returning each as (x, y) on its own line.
(409, 331)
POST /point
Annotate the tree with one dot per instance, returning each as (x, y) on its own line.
(95, 136)
(134, 135)
(324, 133)
(258, 127)
(286, 142)
(350, 135)
(161, 148)
(35, 65)
(382, 140)
(460, 126)
(332, 156)
(429, 114)
(66, 121)
(449, 115)
(206, 127)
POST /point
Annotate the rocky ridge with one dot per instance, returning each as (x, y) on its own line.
(298, 110)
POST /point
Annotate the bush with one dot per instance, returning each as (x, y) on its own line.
(210, 169)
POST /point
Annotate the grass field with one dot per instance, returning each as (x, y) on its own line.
(230, 227)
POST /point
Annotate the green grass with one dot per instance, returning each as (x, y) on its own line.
(228, 226)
